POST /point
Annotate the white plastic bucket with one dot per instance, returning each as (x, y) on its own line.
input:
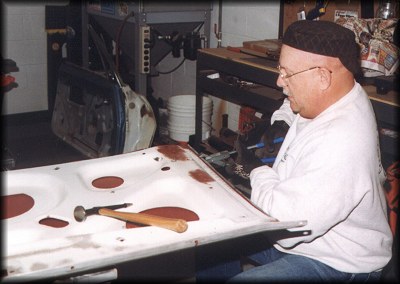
(182, 117)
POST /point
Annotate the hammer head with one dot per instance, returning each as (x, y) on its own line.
(80, 213)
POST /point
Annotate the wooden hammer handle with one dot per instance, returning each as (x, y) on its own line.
(177, 225)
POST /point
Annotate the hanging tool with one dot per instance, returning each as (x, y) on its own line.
(318, 10)
(301, 13)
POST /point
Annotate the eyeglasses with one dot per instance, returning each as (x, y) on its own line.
(282, 71)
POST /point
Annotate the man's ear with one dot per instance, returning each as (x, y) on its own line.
(324, 78)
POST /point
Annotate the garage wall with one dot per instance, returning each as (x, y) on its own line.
(241, 21)
(244, 21)
(24, 41)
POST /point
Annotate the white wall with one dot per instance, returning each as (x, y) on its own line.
(243, 21)
(25, 42)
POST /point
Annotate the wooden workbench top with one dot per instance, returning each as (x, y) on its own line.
(235, 54)
(391, 98)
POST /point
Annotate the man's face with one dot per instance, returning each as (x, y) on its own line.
(297, 80)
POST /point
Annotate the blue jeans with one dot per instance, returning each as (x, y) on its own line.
(274, 266)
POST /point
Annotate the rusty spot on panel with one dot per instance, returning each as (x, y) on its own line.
(201, 176)
(173, 152)
(15, 205)
(168, 212)
(145, 111)
(107, 182)
(53, 222)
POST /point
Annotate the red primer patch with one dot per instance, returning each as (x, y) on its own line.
(53, 222)
(15, 205)
(173, 152)
(107, 182)
(201, 176)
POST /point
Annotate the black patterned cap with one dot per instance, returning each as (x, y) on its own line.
(325, 38)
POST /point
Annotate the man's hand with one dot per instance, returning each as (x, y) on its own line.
(270, 139)
(246, 160)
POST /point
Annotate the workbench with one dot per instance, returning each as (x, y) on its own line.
(265, 96)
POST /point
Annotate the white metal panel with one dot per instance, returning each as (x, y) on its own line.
(155, 177)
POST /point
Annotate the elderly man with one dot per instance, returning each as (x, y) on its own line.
(328, 169)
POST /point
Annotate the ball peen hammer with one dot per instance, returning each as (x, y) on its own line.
(177, 225)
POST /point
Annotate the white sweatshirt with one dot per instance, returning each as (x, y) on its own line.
(328, 172)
